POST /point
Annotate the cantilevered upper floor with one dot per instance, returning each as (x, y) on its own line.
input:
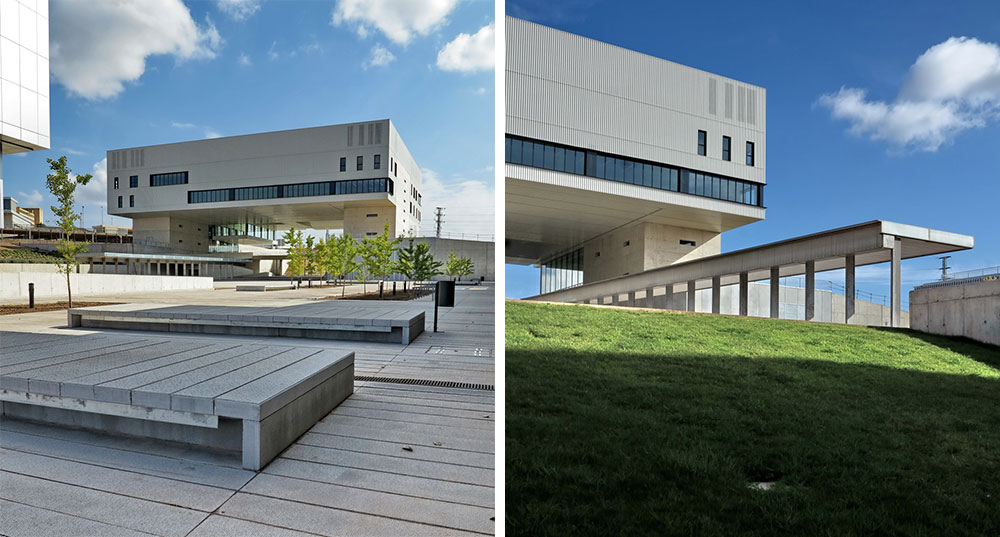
(600, 137)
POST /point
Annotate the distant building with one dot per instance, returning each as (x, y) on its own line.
(247, 190)
(113, 230)
(15, 216)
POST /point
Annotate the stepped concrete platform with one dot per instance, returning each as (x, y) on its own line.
(265, 287)
(327, 319)
(255, 399)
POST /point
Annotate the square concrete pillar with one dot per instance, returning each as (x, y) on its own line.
(895, 291)
(810, 290)
(667, 298)
(744, 294)
(775, 292)
(631, 299)
(690, 295)
(614, 299)
(850, 293)
(648, 302)
(716, 294)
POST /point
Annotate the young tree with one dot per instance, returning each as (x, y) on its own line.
(296, 253)
(458, 266)
(376, 256)
(417, 263)
(311, 258)
(337, 256)
(63, 188)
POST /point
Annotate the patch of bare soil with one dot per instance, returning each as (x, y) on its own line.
(11, 309)
(373, 295)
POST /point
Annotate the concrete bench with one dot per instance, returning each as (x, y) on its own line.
(254, 399)
(265, 288)
(385, 323)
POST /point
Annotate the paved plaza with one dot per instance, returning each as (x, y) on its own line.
(411, 452)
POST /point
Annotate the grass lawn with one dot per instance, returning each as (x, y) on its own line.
(656, 423)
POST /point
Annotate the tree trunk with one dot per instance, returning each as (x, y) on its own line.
(381, 284)
(69, 291)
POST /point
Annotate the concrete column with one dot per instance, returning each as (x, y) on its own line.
(668, 296)
(775, 292)
(849, 290)
(897, 254)
(631, 299)
(104, 265)
(691, 295)
(744, 294)
(614, 299)
(649, 298)
(716, 294)
(810, 290)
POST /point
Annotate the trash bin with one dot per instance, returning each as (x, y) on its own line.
(446, 294)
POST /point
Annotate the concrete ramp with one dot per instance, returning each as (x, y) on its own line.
(328, 319)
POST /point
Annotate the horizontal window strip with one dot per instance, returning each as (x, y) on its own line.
(561, 158)
(298, 190)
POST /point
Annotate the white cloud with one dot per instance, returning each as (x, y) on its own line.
(244, 60)
(271, 53)
(34, 198)
(238, 10)
(481, 91)
(98, 46)
(380, 56)
(209, 133)
(953, 86)
(179, 125)
(95, 192)
(399, 20)
(468, 53)
(468, 204)
(73, 151)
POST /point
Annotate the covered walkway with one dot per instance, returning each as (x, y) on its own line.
(844, 248)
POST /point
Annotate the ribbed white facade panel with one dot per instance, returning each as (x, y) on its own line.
(24, 76)
(580, 92)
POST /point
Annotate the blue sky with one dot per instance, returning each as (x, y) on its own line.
(155, 71)
(919, 146)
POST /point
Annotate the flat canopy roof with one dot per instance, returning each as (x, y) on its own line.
(870, 243)
(163, 257)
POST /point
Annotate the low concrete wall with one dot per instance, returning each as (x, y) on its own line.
(38, 267)
(971, 310)
(52, 286)
(791, 305)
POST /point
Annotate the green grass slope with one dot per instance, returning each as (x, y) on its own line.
(655, 423)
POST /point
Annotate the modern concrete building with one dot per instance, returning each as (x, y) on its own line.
(191, 196)
(619, 162)
(15, 216)
(24, 77)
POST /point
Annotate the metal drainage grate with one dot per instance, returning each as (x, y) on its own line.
(423, 382)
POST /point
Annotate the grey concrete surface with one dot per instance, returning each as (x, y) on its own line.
(349, 474)
(963, 309)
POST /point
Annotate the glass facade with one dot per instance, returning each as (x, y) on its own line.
(164, 179)
(604, 166)
(322, 188)
(562, 272)
(260, 230)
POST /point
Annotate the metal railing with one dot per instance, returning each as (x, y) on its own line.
(988, 271)
(966, 277)
(465, 236)
(840, 289)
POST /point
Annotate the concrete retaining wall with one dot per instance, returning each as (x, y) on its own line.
(38, 267)
(971, 310)
(52, 286)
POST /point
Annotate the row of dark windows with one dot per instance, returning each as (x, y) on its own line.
(322, 188)
(131, 201)
(361, 163)
(165, 179)
(603, 166)
(727, 148)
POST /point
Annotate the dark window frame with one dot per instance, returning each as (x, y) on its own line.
(131, 200)
(361, 163)
(751, 155)
(727, 148)
(116, 183)
(703, 143)
(168, 179)
(119, 202)
(663, 176)
(294, 190)
(377, 162)
(343, 164)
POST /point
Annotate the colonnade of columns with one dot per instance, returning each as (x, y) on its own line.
(893, 244)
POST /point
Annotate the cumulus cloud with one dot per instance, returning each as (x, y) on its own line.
(380, 56)
(468, 204)
(398, 20)
(95, 192)
(953, 86)
(244, 60)
(209, 132)
(33, 198)
(98, 46)
(468, 53)
(238, 10)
